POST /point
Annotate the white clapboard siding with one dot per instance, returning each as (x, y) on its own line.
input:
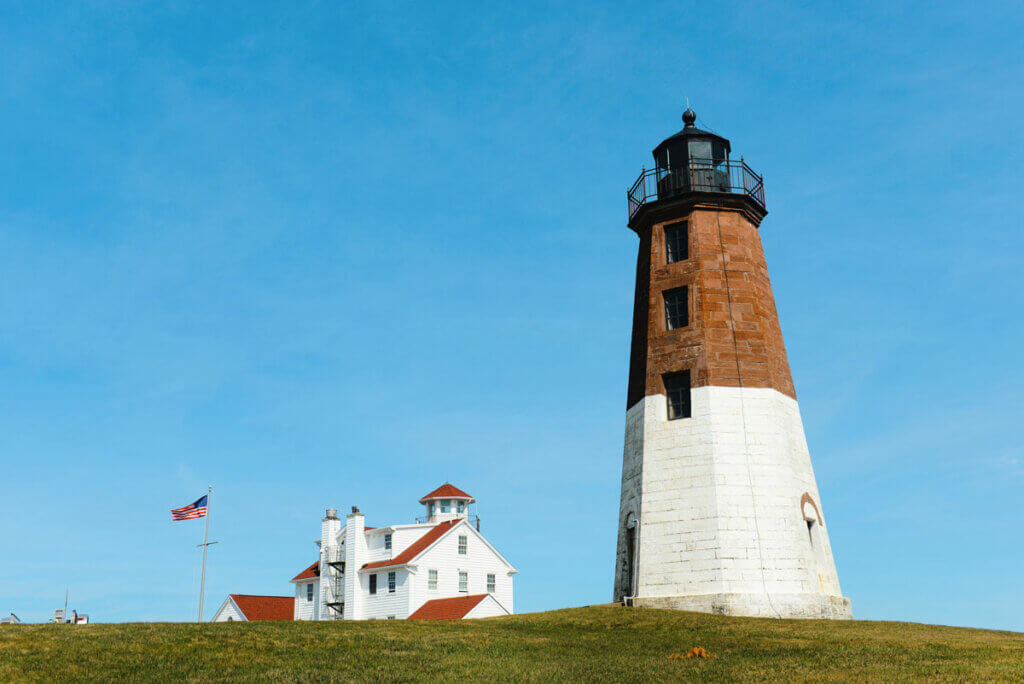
(229, 612)
(477, 563)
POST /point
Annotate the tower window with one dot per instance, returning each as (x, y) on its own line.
(460, 506)
(677, 391)
(446, 506)
(677, 243)
(677, 309)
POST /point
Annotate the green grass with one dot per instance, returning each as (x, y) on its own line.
(606, 643)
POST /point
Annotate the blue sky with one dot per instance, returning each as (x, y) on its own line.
(326, 254)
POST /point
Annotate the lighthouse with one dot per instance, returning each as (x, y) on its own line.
(719, 508)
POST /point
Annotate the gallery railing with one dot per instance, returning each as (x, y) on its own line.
(698, 175)
(473, 520)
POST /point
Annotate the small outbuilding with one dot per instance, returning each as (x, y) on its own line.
(248, 608)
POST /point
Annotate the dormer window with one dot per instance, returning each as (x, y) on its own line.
(446, 506)
(387, 542)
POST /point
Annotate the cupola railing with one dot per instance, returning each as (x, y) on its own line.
(698, 175)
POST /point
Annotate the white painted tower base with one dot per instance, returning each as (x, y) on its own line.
(724, 509)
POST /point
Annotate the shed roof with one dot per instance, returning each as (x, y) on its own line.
(448, 609)
(265, 607)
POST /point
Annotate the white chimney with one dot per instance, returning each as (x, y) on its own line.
(329, 529)
(355, 557)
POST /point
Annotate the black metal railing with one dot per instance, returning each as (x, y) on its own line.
(699, 175)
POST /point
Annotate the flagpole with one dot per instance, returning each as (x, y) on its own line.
(206, 539)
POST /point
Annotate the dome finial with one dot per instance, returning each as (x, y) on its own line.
(689, 116)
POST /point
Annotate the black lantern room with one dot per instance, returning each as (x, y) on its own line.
(692, 159)
(694, 162)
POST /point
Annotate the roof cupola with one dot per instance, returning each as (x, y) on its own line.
(447, 502)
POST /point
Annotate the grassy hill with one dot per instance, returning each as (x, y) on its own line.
(597, 643)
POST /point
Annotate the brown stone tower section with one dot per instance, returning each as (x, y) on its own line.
(733, 338)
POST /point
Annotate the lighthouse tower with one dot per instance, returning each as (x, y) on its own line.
(719, 511)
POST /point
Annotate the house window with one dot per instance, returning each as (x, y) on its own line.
(391, 582)
(387, 542)
(463, 581)
(446, 506)
(463, 542)
(677, 246)
(373, 584)
(490, 583)
(230, 619)
(460, 506)
(677, 391)
(309, 592)
(432, 579)
(391, 617)
(677, 310)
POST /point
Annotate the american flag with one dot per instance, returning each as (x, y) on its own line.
(196, 509)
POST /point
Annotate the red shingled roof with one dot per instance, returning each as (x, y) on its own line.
(417, 547)
(312, 572)
(446, 491)
(447, 609)
(265, 607)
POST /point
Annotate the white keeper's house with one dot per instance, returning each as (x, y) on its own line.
(439, 567)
